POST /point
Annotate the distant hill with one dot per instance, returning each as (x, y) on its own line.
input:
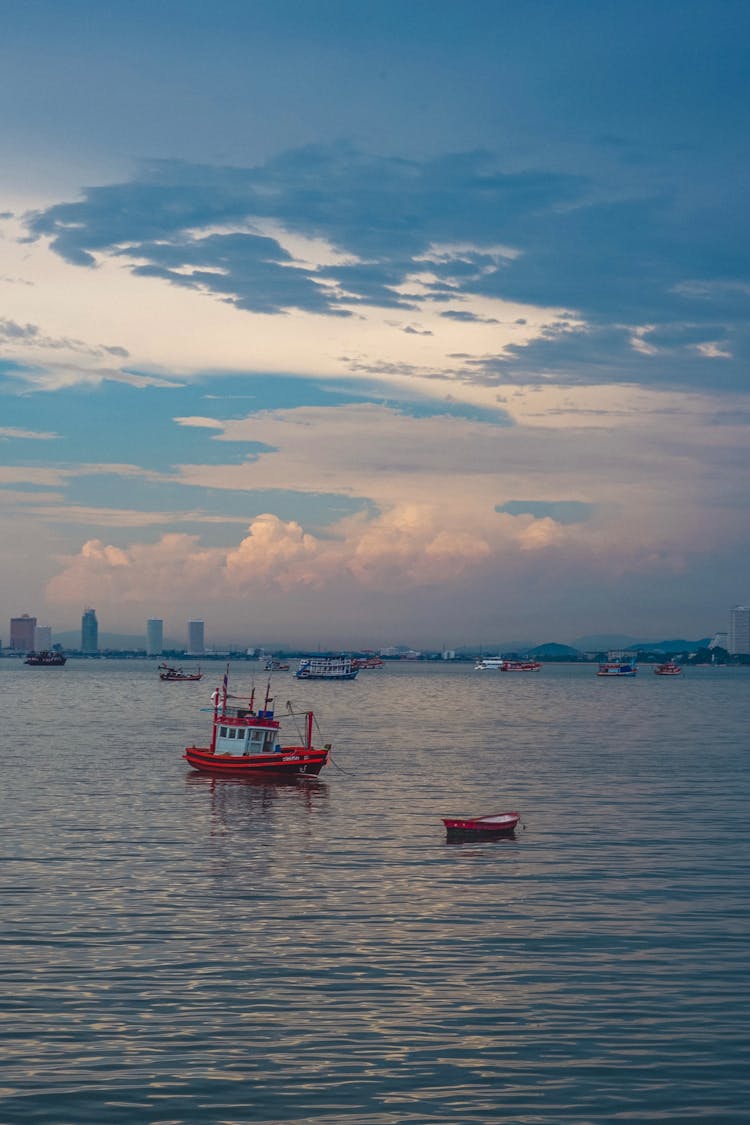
(599, 642)
(603, 642)
(674, 646)
(553, 651)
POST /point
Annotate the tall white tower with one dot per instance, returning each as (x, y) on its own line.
(196, 644)
(43, 638)
(739, 630)
(154, 636)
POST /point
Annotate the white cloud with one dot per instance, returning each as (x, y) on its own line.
(31, 435)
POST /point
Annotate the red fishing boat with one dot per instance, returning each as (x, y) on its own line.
(668, 668)
(499, 824)
(245, 742)
(176, 675)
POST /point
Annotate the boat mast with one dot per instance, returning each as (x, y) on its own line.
(308, 740)
(216, 696)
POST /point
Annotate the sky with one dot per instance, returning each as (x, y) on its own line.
(352, 324)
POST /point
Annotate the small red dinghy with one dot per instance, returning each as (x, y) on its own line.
(501, 824)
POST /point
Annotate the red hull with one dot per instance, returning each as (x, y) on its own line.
(290, 762)
(498, 825)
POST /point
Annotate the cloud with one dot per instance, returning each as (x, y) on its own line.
(561, 511)
(209, 227)
(468, 317)
(408, 545)
(329, 230)
(30, 435)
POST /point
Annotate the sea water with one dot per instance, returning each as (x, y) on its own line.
(181, 950)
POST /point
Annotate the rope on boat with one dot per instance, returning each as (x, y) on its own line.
(316, 724)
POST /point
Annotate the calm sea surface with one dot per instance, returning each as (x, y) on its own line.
(178, 950)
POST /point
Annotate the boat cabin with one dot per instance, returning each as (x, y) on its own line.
(242, 733)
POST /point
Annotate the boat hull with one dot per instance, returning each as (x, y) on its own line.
(324, 676)
(486, 827)
(291, 761)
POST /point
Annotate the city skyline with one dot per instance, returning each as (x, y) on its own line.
(735, 639)
(377, 323)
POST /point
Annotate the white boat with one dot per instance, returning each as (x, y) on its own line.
(499, 664)
(326, 668)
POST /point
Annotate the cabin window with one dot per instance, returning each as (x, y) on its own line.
(223, 732)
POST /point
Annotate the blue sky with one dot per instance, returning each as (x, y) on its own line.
(358, 324)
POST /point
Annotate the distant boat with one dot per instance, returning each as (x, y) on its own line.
(468, 827)
(245, 742)
(326, 668)
(499, 664)
(45, 659)
(275, 666)
(617, 664)
(668, 668)
(176, 675)
(362, 662)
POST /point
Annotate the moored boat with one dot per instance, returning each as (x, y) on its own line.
(364, 662)
(617, 664)
(500, 664)
(177, 675)
(326, 668)
(668, 668)
(245, 742)
(498, 824)
(45, 659)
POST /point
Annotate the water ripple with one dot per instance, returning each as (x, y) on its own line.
(179, 950)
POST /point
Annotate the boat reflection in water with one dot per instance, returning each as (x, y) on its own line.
(254, 805)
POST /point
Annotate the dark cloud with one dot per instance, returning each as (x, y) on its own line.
(28, 334)
(468, 317)
(616, 264)
(9, 330)
(384, 212)
(605, 354)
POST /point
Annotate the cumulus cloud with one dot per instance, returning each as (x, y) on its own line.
(407, 545)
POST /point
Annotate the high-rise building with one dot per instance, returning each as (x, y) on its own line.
(43, 638)
(196, 641)
(89, 632)
(154, 636)
(22, 632)
(739, 630)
